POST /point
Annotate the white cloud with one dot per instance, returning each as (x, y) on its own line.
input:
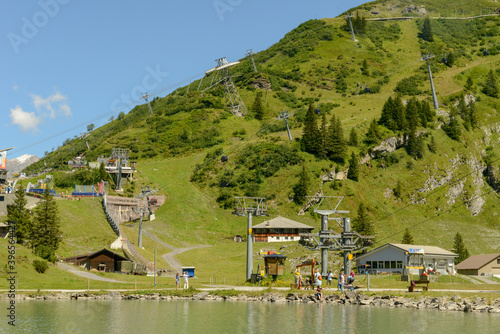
(26, 120)
(15, 87)
(55, 104)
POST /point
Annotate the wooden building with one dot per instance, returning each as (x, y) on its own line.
(480, 265)
(103, 260)
(279, 229)
(275, 264)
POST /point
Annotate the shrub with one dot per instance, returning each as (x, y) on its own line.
(40, 266)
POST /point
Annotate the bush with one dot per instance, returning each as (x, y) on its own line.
(40, 266)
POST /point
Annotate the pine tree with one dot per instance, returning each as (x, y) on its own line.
(257, 107)
(372, 135)
(353, 138)
(407, 238)
(337, 147)
(399, 114)
(450, 59)
(459, 248)
(103, 175)
(364, 68)
(469, 84)
(300, 190)
(325, 140)
(311, 137)
(46, 235)
(387, 116)
(18, 215)
(362, 223)
(412, 114)
(432, 145)
(490, 86)
(353, 173)
(427, 31)
(453, 129)
(426, 113)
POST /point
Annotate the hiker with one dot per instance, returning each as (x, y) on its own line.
(177, 281)
(186, 277)
(317, 278)
(350, 279)
(298, 279)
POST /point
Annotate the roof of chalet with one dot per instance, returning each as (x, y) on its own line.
(405, 248)
(84, 257)
(477, 261)
(282, 222)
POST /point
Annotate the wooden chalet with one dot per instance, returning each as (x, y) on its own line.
(279, 229)
(103, 260)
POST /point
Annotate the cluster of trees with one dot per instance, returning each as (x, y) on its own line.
(398, 117)
(42, 232)
(326, 142)
(358, 24)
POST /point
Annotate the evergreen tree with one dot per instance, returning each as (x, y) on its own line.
(427, 31)
(364, 68)
(311, 137)
(469, 84)
(450, 59)
(363, 223)
(387, 116)
(399, 114)
(490, 86)
(407, 238)
(415, 145)
(398, 190)
(353, 138)
(353, 173)
(372, 135)
(300, 190)
(325, 140)
(426, 113)
(18, 215)
(432, 145)
(453, 129)
(412, 114)
(459, 248)
(338, 147)
(102, 175)
(257, 107)
(46, 235)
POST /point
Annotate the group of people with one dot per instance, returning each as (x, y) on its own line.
(185, 275)
(343, 281)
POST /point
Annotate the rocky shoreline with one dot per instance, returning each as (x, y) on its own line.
(455, 303)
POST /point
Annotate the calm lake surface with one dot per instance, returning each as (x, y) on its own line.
(161, 316)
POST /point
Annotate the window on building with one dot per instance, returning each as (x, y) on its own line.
(498, 260)
(374, 265)
(393, 264)
(399, 264)
(387, 264)
(381, 264)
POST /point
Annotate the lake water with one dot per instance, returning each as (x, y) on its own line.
(162, 316)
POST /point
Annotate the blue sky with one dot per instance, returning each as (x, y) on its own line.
(65, 64)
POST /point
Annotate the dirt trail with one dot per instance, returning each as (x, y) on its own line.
(86, 274)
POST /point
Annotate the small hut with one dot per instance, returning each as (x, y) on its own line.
(275, 264)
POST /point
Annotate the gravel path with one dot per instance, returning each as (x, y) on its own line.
(86, 274)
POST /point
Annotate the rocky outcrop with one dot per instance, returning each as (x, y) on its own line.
(420, 10)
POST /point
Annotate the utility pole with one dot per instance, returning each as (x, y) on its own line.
(347, 241)
(349, 16)
(250, 206)
(233, 99)
(284, 115)
(251, 53)
(139, 242)
(426, 57)
(145, 97)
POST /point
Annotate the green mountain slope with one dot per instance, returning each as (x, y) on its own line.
(178, 148)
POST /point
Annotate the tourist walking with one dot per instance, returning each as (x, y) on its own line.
(317, 278)
(341, 281)
(177, 281)
(186, 282)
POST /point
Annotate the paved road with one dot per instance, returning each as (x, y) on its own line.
(86, 274)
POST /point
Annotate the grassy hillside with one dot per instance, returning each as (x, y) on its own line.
(178, 148)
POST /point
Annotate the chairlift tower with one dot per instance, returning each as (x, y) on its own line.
(145, 97)
(250, 206)
(232, 97)
(347, 241)
(251, 53)
(349, 16)
(426, 57)
(284, 115)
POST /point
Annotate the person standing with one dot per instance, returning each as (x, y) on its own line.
(350, 279)
(177, 281)
(329, 278)
(317, 278)
(186, 282)
(341, 281)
